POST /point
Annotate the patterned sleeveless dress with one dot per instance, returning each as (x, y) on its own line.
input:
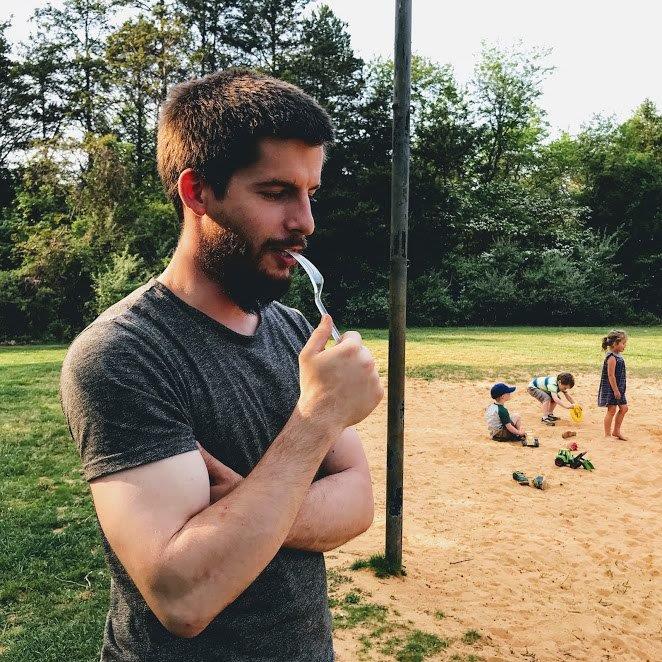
(605, 393)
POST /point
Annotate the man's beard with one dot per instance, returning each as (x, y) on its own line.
(226, 258)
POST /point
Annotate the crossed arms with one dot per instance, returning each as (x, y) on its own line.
(193, 535)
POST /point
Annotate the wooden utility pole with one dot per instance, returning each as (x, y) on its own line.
(398, 283)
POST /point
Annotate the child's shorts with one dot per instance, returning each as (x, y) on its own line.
(504, 434)
(538, 394)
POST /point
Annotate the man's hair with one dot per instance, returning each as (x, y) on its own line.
(214, 124)
(566, 378)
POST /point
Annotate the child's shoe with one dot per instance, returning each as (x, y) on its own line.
(548, 420)
(551, 417)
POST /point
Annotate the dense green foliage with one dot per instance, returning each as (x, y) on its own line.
(506, 226)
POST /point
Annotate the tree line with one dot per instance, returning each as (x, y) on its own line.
(506, 225)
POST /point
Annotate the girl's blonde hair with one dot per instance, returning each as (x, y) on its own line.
(613, 337)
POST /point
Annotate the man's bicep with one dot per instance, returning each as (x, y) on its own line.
(140, 510)
(346, 453)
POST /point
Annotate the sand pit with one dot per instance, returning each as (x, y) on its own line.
(572, 572)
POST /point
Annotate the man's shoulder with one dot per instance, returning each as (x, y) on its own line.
(108, 338)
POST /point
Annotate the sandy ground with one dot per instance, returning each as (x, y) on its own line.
(572, 572)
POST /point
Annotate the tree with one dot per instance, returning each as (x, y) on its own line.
(506, 86)
(266, 32)
(622, 171)
(132, 56)
(210, 24)
(324, 64)
(45, 70)
(14, 100)
(78, 30)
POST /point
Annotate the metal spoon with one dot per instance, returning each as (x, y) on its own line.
(317, 280)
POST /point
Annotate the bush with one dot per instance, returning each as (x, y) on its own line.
(429, 301)
(13, 321)
(488, 291)
(366, 308)
(54, 282)
(123, 274)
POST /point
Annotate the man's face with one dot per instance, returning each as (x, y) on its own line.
(265, 210)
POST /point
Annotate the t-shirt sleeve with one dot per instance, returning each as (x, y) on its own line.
(123, 407)
(504, 416)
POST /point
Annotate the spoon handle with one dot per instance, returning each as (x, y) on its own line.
(323, 311)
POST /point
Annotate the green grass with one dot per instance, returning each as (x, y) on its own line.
(53, 580)
(380, 565)
(470, 637)
(515, 353)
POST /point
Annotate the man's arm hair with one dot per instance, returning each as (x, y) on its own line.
(190, 559)
(339, 506)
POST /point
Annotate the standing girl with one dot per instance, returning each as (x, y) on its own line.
(613, 382)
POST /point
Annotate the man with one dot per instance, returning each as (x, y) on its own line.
(213, 425)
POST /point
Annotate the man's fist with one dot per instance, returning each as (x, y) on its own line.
(339, 385)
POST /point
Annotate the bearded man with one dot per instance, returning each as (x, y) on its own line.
(214, 428)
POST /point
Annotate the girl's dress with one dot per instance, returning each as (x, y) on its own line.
(605, 393)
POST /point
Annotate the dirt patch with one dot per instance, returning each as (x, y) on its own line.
(572, 572)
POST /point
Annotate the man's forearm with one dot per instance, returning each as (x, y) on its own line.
(221, 550)
(336, 509)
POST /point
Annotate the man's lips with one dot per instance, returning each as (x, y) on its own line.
(284, 258)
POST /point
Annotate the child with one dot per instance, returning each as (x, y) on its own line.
(547, 390)
(613, 383)
(501, 426)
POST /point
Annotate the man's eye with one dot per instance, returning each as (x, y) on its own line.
(273, 195)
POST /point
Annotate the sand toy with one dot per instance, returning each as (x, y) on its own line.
(564, 458)
(539, 482)
(577, 414)
(531, 443)
(520, 478)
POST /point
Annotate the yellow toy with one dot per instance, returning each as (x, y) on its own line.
(577, 414)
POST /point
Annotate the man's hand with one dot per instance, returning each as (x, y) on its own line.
(222, 479)
(340, 385)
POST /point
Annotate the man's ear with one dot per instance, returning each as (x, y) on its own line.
(190, 186)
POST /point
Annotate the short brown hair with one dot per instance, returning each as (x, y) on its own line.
(566, 378)
(214, 124)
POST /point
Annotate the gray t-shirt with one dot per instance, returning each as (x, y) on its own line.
(143, 382)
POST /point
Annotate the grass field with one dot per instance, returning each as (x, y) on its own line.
(53, 582)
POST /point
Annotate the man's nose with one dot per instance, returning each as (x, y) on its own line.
(300, 217)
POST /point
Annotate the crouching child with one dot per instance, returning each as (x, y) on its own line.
(503, 426)
(548, 391)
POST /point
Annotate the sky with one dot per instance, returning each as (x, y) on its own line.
(607, 54)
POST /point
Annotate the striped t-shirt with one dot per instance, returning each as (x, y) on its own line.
(546, 384)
